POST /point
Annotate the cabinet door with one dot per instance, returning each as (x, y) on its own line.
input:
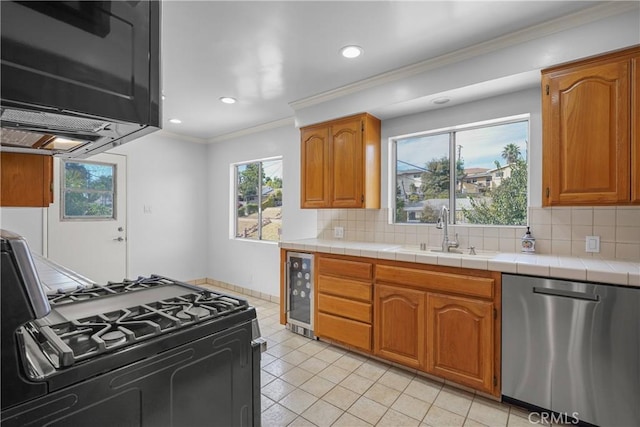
(315, 168)
(399, 324)
(346, 155)
(26, 180)
(460, 340)
(586, 134)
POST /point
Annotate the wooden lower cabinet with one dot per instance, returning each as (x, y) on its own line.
(460, 340)
(399, 324)
(350, 332)
(344, 309)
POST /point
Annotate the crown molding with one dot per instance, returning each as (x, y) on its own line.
(288, 121)
(172, 135)
(531, 33)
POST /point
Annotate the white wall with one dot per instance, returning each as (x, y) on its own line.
(168, 175)
(27, 222)
(522, 102)
(254, 265)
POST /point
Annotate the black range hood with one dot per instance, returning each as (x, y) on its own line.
(78, 77)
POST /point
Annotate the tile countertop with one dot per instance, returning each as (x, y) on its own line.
(55, 278)
(562, 267)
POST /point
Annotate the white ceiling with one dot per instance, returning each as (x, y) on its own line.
(269, 54)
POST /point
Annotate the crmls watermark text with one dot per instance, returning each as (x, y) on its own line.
(547, 418)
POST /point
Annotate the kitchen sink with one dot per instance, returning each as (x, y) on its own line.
(458, 253)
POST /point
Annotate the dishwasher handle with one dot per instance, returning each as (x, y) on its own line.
(567, 294)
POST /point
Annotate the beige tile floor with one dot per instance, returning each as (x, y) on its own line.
(313, 383)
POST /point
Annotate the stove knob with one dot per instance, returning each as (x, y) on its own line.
(295, 292)
(308, 285)
(298, 283)
(299, 275)
(306, 276)
(295, 265)
(302, 294)
(305, 266)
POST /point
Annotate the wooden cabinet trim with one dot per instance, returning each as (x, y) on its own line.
(345, 288)
(436, 281)
(345, 268)
(347, 331)
(342, 307)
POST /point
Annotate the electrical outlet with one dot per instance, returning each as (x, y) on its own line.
(338, 232)
(592, 244)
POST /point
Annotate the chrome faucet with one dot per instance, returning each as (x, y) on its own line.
(443, 221)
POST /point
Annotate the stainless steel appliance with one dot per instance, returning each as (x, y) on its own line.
(145, 352)
(78, 77)
(572, 348)
(299, 283)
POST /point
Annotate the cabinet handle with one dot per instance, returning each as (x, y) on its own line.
(362, 199)
(547, 89)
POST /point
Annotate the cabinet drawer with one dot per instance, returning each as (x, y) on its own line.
(438, 281)
(345, 308)
(342, 267)
(348, 331)
(345, 288)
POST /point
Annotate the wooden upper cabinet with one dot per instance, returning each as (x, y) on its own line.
(340, 163)
(27, 180)
(460, 340)
(589, 128)
(315, 175)
(346, 156)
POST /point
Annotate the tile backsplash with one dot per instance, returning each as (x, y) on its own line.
(558, 231)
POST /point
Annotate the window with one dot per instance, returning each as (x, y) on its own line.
(258, 198)
(484, 167)
(88, 190)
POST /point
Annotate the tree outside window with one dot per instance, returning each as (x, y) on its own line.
(258, 196)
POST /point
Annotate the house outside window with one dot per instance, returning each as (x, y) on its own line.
(258, 199)
(88, 191)
(478, 171)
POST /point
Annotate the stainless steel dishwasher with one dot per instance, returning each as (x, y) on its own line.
(572, 348)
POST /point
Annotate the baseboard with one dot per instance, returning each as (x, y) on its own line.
(235, 288)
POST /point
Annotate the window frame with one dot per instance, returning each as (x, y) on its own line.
(233, 211)
(63, 191)
(452, 130)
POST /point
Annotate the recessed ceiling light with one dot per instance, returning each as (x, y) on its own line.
(228, 100)
(176, 121)
(351, 51)
(441, 101)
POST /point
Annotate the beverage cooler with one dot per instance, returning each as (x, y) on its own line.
(300, 293)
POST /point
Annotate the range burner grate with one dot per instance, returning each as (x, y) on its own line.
(68, 342)
(111, 288)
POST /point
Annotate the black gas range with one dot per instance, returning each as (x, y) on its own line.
(147, 352)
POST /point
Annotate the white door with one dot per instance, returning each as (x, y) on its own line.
(87, 221)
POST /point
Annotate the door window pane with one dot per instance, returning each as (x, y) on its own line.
(88, 190)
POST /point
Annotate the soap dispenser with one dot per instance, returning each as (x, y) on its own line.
(528, 244)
